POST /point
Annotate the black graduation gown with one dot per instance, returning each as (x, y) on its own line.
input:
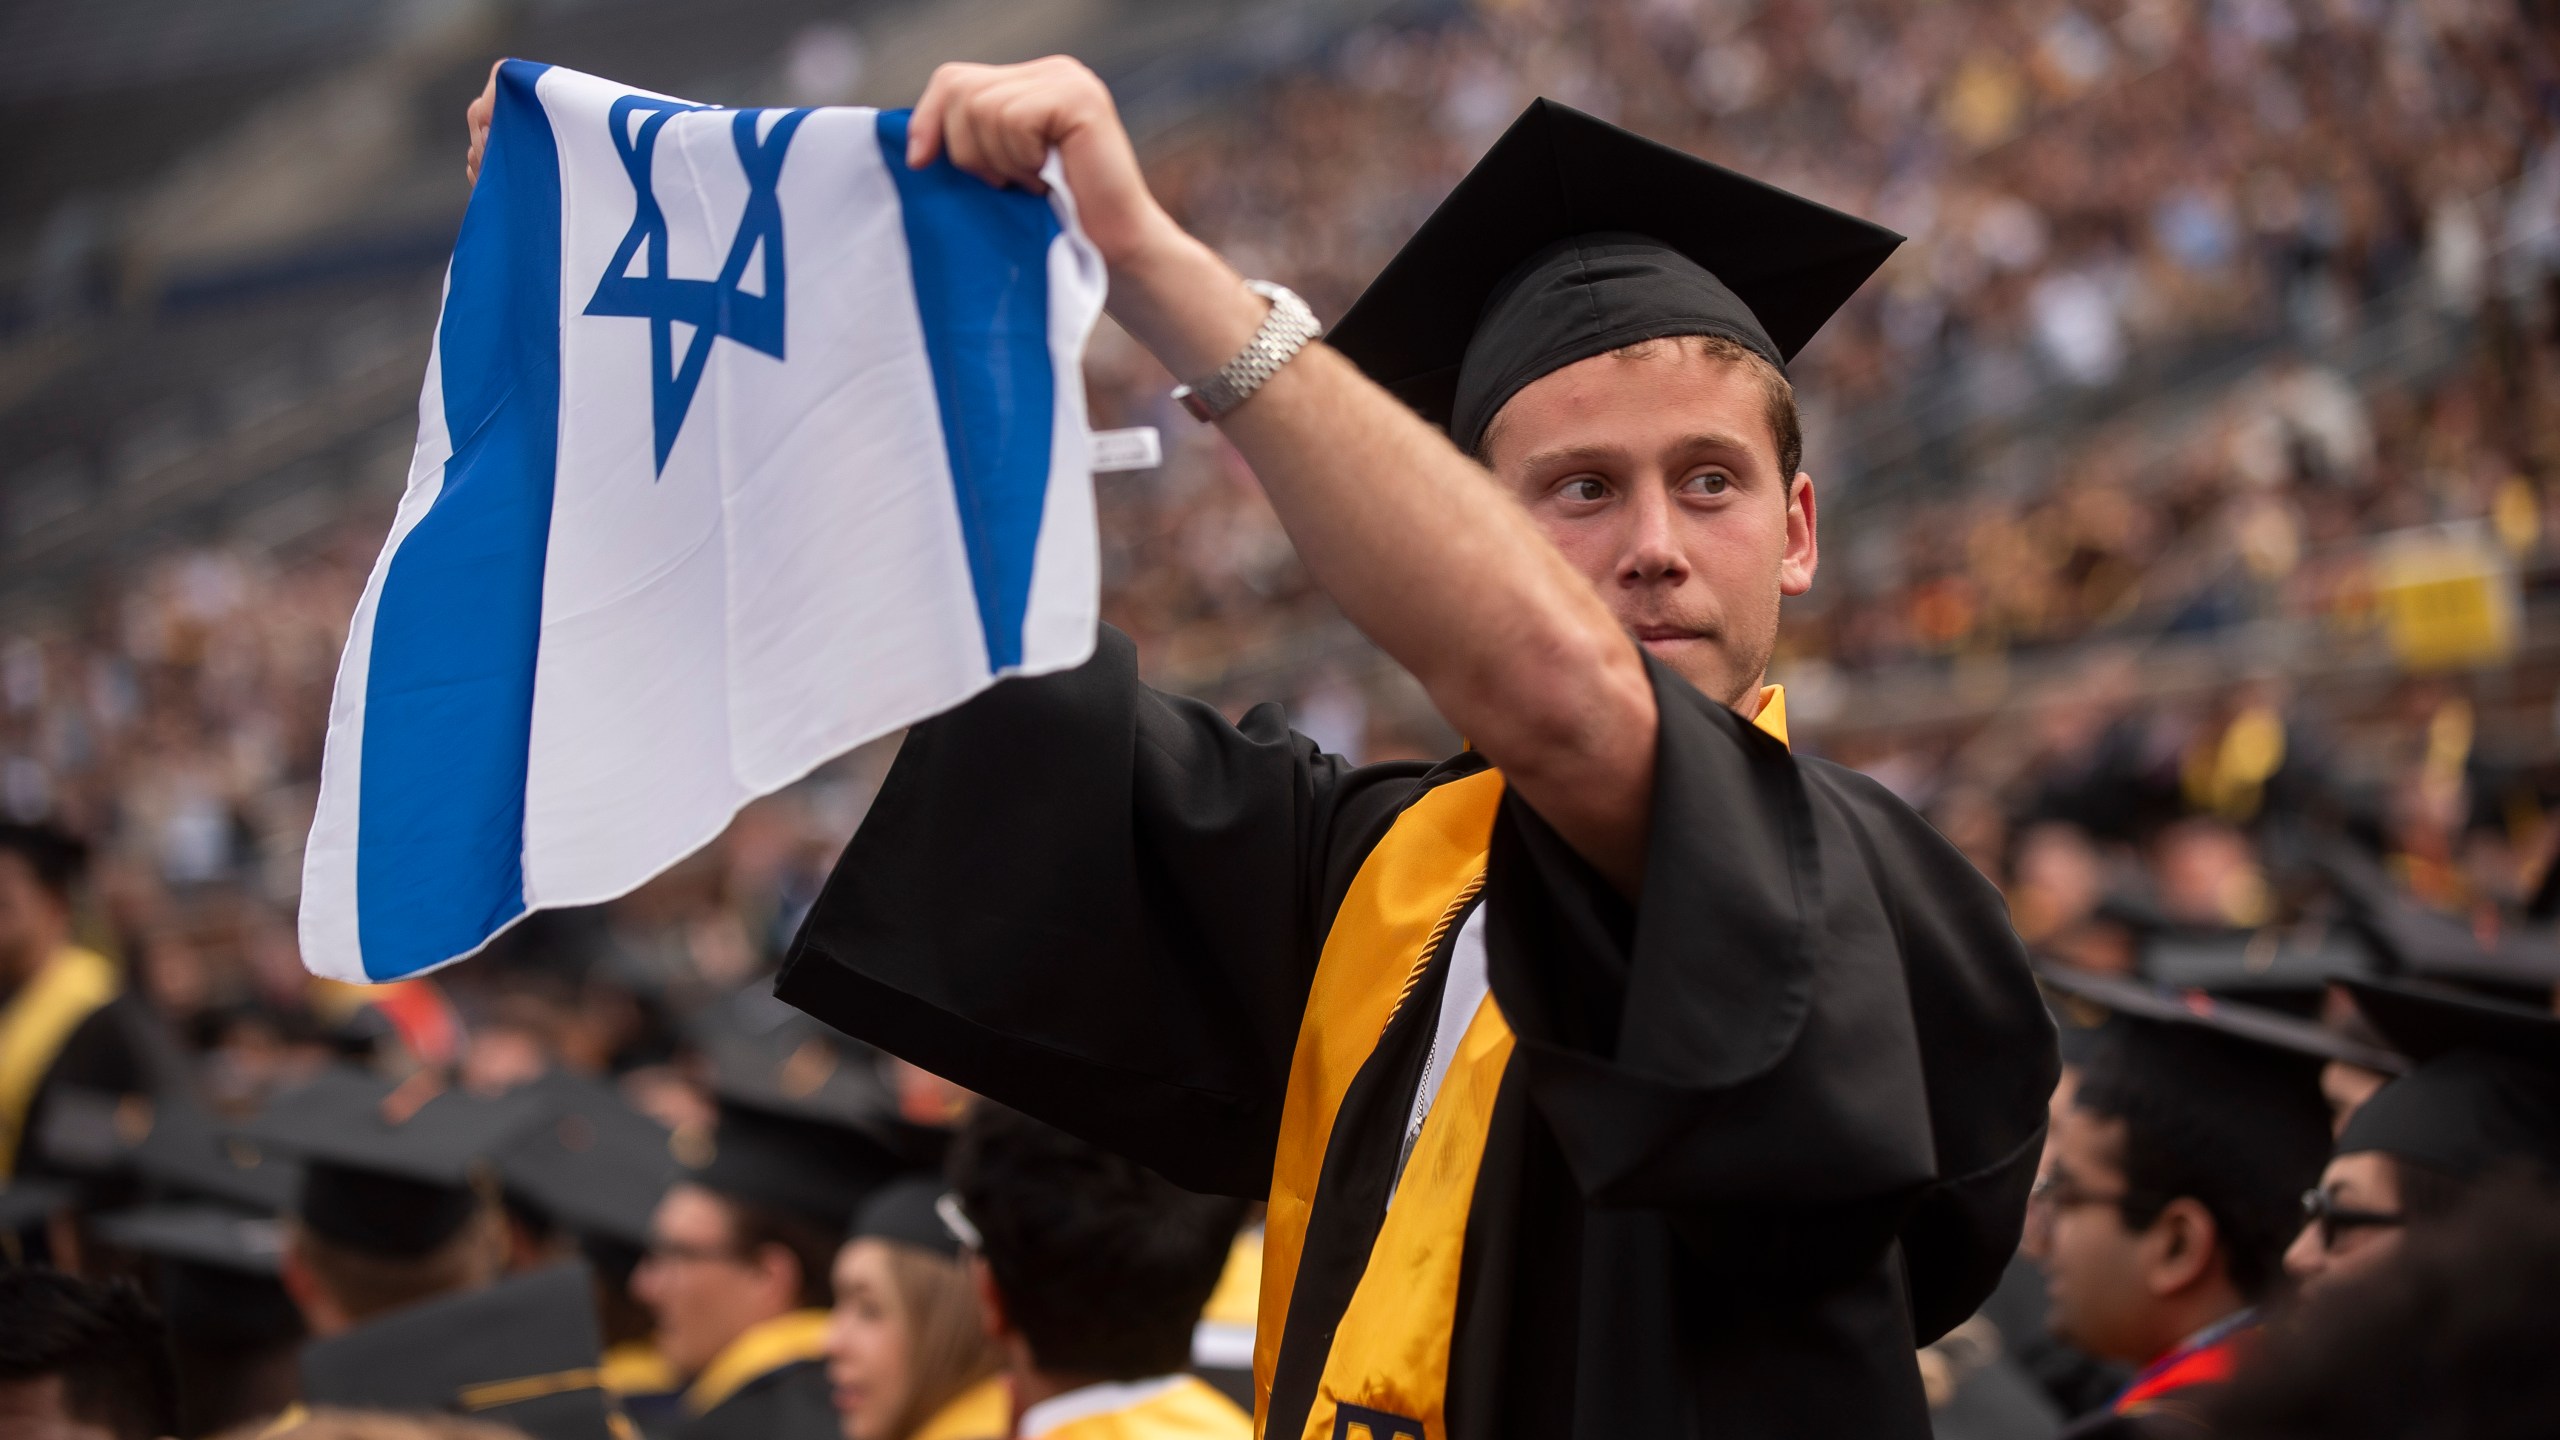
(1761, 1134)
(789, 1402)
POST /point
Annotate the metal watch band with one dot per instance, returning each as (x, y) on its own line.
(1285, 331)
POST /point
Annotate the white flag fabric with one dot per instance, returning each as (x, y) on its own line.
(741, 444)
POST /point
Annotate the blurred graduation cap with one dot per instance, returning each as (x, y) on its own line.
(591, 1164)
(1572, 237)
(2272, 1029)
(216, 1272)
(393, 1169)
(181, 1151)
(2282, 966)
(2432, 945)
(2486, 1090)
(807, 1125)
(524, 1352)
(907, 1212)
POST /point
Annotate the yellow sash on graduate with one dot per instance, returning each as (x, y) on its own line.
(759, 1350)
(38, 1022)
(1390, 1351)
(984, 1411)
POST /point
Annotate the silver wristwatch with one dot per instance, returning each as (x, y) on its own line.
(1285, 331)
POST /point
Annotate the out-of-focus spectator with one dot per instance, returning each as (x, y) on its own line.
(2448, 1340)
(908, 1351)
(81, 1361)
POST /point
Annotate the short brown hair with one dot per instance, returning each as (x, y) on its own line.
(1778, 395)
(366, 1284)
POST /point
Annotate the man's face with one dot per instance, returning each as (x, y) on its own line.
(2092, 1261)
(2365, 1181)
(32, 921)
(1657, 475)
(704, 1290)
(40, 1409)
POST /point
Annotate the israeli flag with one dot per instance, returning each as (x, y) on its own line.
(741, 444)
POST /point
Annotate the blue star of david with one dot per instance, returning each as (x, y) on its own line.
(713, 308)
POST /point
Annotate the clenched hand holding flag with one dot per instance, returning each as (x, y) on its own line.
(741, 444)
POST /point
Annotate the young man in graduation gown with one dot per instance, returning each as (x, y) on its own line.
(2173, 1184)
(739, 1257)
(1624, 1074)
(1091, 1273)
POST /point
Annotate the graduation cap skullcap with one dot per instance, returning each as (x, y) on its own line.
(523, 1352)
(907, 1212)
(1571, 238)
(2272, 1029)
(2486, 1090)
(389, 1168)
(591, 1164)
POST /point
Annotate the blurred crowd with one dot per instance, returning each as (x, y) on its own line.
(2357, 783)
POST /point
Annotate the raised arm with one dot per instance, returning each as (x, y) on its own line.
(1416, 542)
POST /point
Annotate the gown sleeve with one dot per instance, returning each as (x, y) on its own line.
(1814, 1036)
(1100, 905)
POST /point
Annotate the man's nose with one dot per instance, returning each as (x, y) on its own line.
(1653, 553)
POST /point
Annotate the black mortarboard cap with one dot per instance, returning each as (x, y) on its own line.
(2272, 1029)
(389, 1168)
(2272, 963)
(907, 1212)
(2486, 1090)
(199, 1234)
(180, 1150)
(216, 1272)
(1573, 237)
(591, 1164)
(55, 855)
(523, 1352)
(807, 1124)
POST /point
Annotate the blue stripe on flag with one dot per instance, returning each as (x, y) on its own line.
(449, 697)
(981, 262)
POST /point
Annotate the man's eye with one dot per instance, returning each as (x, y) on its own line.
(1585, 487)
(1709, 482)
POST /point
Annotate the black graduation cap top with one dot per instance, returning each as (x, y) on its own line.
(2272, 1029)
(2486, 1090)
(806, 1125)
(389, 1168)
(591, 1164)
(523, 1352)
(1571, 238)
(907, 1212)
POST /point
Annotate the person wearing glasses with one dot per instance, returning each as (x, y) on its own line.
(2165, 1203)
(2484, 1098)
(741, 1246)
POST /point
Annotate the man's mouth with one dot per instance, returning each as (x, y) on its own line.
(1665, 634)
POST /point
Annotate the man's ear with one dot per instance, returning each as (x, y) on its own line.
(2183, 1248)
(778, 1266)
(1804, 549)
(321, 1314)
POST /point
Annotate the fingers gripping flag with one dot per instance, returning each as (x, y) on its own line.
(741, 444)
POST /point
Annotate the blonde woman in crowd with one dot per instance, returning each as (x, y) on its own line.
(907, 1354)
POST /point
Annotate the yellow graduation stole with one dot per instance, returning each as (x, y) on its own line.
(36, 1025)
(1386, 1375)
(759, 1350)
